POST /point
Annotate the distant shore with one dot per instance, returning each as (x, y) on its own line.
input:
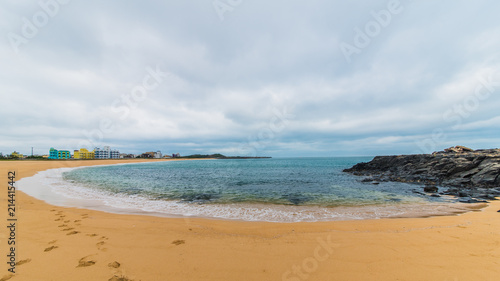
(56, 243)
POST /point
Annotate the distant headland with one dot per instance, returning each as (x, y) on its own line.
(220, 156)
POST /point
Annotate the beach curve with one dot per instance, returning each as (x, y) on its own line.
(57, 242)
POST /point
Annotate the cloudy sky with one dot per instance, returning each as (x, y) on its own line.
(241, 77)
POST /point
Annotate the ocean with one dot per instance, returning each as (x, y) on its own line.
(274, 190)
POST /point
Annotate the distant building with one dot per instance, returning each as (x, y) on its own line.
(114, 154)
(148, 155)
(158, 154)
(16, 154)
(59, 154)
(106, 153)
(125, 155)
(176, 155)
(83, 153)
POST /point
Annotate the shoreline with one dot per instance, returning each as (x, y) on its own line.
(59, 243)
(56, 192)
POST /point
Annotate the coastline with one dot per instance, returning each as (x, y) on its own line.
(49, 187)
(463, 247)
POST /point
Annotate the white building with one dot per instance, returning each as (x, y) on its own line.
(158, 154)
(106, 153)
(114, 154)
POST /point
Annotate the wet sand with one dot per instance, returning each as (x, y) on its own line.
(57, 243)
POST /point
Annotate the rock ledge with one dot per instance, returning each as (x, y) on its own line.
(464, 171)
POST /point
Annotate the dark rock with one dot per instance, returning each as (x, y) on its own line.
(463, 194)
(431, 189)
(451, 191)
(418, 192)
(472, 201)
(473, 174)
(435, 195)
(488, 176)
(459, 167)
(375, 183)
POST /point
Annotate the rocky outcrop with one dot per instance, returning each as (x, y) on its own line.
(458, 149)
(463, 170)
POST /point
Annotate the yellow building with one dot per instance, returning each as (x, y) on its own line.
(83, 154)
(16, 154)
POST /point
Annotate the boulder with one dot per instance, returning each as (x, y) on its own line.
(463, 194)
(431, 189)
(458, 149)
(464, 149)
(488, 176)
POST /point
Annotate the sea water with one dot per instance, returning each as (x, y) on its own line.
(276, 190)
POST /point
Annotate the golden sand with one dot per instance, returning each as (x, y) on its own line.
(56, 243)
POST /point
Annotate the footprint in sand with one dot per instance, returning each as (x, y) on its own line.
(50, 248)
(92, 235)
(114, 264)
(119, 278)
(68, 229)
(77, 221)
(178, 242)
(99, 246)
(73, 232)
(52, 242)
(66, 221)
(103, 238)
(58, 219)
(21, 262)
(62, 225)
(7, 277)
(85, 261)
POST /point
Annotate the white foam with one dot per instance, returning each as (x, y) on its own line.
(50, 187)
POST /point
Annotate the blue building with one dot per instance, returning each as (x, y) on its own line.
(59, 154)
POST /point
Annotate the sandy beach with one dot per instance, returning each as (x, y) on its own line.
(56, 243)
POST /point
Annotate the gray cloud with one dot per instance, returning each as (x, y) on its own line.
(222, 83)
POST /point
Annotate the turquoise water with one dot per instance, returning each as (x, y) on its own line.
(274, 190)
(286, 181)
